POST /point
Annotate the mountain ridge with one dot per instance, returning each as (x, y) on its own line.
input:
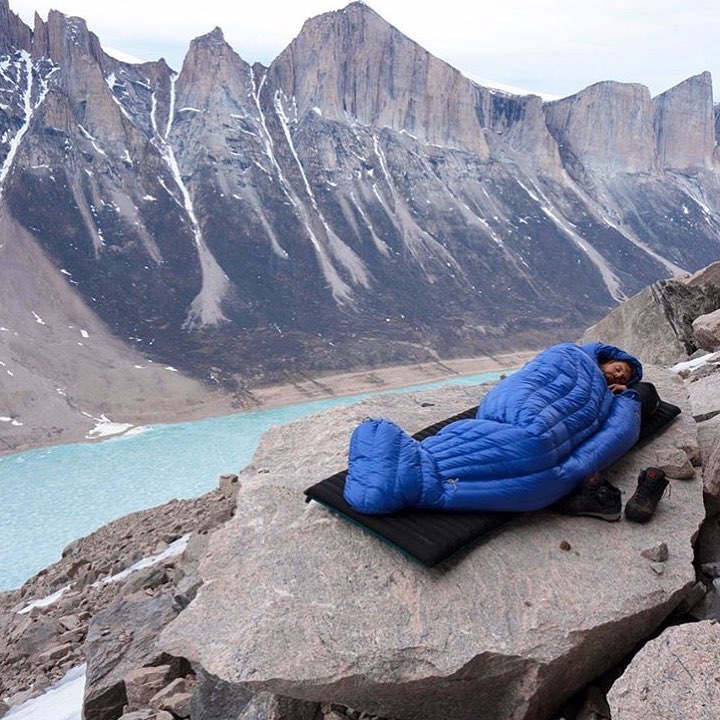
(357, 203)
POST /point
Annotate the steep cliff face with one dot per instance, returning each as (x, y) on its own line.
(90, 183)
(357, 202)
(15, 35)
(685, 125)
(354, 66)
(607, 128)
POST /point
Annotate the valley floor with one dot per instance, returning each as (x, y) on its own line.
(387, 378)
(301, 390)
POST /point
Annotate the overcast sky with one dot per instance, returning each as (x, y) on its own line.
(555, 47)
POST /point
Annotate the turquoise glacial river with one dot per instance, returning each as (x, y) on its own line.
(54, 495)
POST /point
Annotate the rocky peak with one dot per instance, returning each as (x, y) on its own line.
(684, 124)
(215, 82)
(211, 60)
(14, 34)
(352, 64)
(64, 38)
(620, 136)
(79, 94)
(519, 123)
(212, 41)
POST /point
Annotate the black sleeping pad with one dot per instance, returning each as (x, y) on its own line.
(427, 536)
(430, 536)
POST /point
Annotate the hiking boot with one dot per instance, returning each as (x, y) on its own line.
(651, 486)
(601, 502)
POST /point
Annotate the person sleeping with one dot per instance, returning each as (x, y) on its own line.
(538, 434)
(618, 374)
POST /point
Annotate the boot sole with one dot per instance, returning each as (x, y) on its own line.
(608, 517)
(638, 518)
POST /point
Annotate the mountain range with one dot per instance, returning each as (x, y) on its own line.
(359, 202)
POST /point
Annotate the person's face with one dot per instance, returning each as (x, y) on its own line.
(616, 372)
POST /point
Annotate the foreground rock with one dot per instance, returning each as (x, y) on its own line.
(706, 329)
(709, 436)
(300, 603)
(43, 641)
(704, 390)
(673, 676)
(709, 275)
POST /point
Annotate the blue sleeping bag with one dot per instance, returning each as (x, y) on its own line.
(537, 435)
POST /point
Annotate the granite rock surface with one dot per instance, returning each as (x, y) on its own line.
(673, 676)
(706, 329)
(510, 627)
(656, 324)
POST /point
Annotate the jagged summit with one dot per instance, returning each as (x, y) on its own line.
(702, 79)
(63, 37)
(354, 10)
(211, 48)
(14, 34)
(354, 64)
(214, 37)
(621, 137)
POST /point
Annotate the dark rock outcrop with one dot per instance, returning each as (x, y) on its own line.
(14, 34)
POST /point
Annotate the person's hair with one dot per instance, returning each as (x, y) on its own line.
(604, 359)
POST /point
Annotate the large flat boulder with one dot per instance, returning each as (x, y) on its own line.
(704, 392)
(301, 603)
(673, 676)
(656, 324)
